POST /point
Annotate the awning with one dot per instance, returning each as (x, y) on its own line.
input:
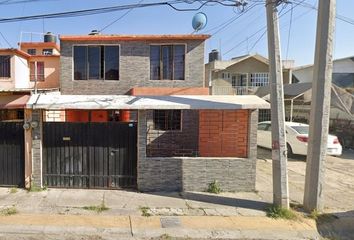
(13, 101)
(57, 102)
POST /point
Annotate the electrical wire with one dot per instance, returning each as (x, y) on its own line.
(119, 18)
(8, 43)
(289, 33)
(260, 30)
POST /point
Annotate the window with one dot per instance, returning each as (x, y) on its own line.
(167, 120)
(32, 51)
(47, 51)
(343, 80)
(96, 62)
(167, 62)
(239, 80)
(226, 76)
(5, 70)
(37, 71)
(259, 79)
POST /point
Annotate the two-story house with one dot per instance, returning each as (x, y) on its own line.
(23, 71)
(241, 75)
(137, 114)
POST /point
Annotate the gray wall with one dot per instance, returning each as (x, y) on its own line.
(37, 149)
(182, 142)
(134, 69)
(194, 174)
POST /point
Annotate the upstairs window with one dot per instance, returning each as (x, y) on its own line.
(5, 69)
(37, 71)
(167, 120)
(32, 51)
(167, 62)
(96, 62)
(47, 51)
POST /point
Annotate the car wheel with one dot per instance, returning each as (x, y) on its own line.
(289, 150)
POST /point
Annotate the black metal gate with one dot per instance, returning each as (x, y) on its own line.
(12, 154)
(90, 155)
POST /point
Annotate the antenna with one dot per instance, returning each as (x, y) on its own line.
(199, 21)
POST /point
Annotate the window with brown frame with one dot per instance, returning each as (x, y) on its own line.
(167, 62)
(5, 66)
(96, 62)
(39, 74)
(167, 120)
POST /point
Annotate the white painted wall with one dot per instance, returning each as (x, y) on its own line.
(339, 66)
(21, 73)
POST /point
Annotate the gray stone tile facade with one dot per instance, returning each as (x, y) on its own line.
(37, 149)
(195, 173)
(134, 69)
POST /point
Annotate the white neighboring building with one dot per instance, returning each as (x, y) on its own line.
(341, 123)
(343, 73)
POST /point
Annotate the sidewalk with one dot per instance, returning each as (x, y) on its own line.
(43, 226)
(75, 214)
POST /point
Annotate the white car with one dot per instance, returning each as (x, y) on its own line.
(297, 135)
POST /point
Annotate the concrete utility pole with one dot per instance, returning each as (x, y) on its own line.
(320, 106)
(279, 156)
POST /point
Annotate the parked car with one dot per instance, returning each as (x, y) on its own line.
(297, 135)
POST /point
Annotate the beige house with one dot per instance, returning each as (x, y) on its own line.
(241, 75)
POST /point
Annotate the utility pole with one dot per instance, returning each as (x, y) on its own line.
(279, 154)
(320, 106)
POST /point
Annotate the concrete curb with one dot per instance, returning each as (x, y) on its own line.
(201, 227)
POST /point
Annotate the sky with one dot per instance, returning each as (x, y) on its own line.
(245, 34)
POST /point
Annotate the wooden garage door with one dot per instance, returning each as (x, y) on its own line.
(89, 155)
(12, 157)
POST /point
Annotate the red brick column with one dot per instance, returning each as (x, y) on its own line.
(223, 133)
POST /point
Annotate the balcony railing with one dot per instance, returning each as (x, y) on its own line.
(238, 90)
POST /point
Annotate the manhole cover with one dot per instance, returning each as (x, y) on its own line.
(170, 222)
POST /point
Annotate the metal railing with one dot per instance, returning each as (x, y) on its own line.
(238, 90)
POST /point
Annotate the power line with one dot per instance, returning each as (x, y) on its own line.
(338, 16)
(8, 43)
(93, 11)
(288, 43)
(261, 29)
(119, 18)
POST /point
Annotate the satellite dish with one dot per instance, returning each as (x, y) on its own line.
(199, 21)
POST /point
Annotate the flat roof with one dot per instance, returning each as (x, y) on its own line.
(223, 102)
(100, 37)
(40, 44)
(14, 51)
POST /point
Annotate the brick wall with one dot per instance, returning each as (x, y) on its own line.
(134, 69)
(223, 133)
(182, 142)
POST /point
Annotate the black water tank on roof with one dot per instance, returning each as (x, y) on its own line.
(49, 37)
(214, 55)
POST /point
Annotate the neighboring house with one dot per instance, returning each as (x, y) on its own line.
(44, 64)
(22, 72)
(341, 123)
(343, 73)
(137, 115)
(241, 76)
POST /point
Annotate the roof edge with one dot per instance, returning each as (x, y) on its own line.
(133, 37)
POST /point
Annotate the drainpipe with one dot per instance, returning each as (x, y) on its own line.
(35, 77)
(210, 82)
